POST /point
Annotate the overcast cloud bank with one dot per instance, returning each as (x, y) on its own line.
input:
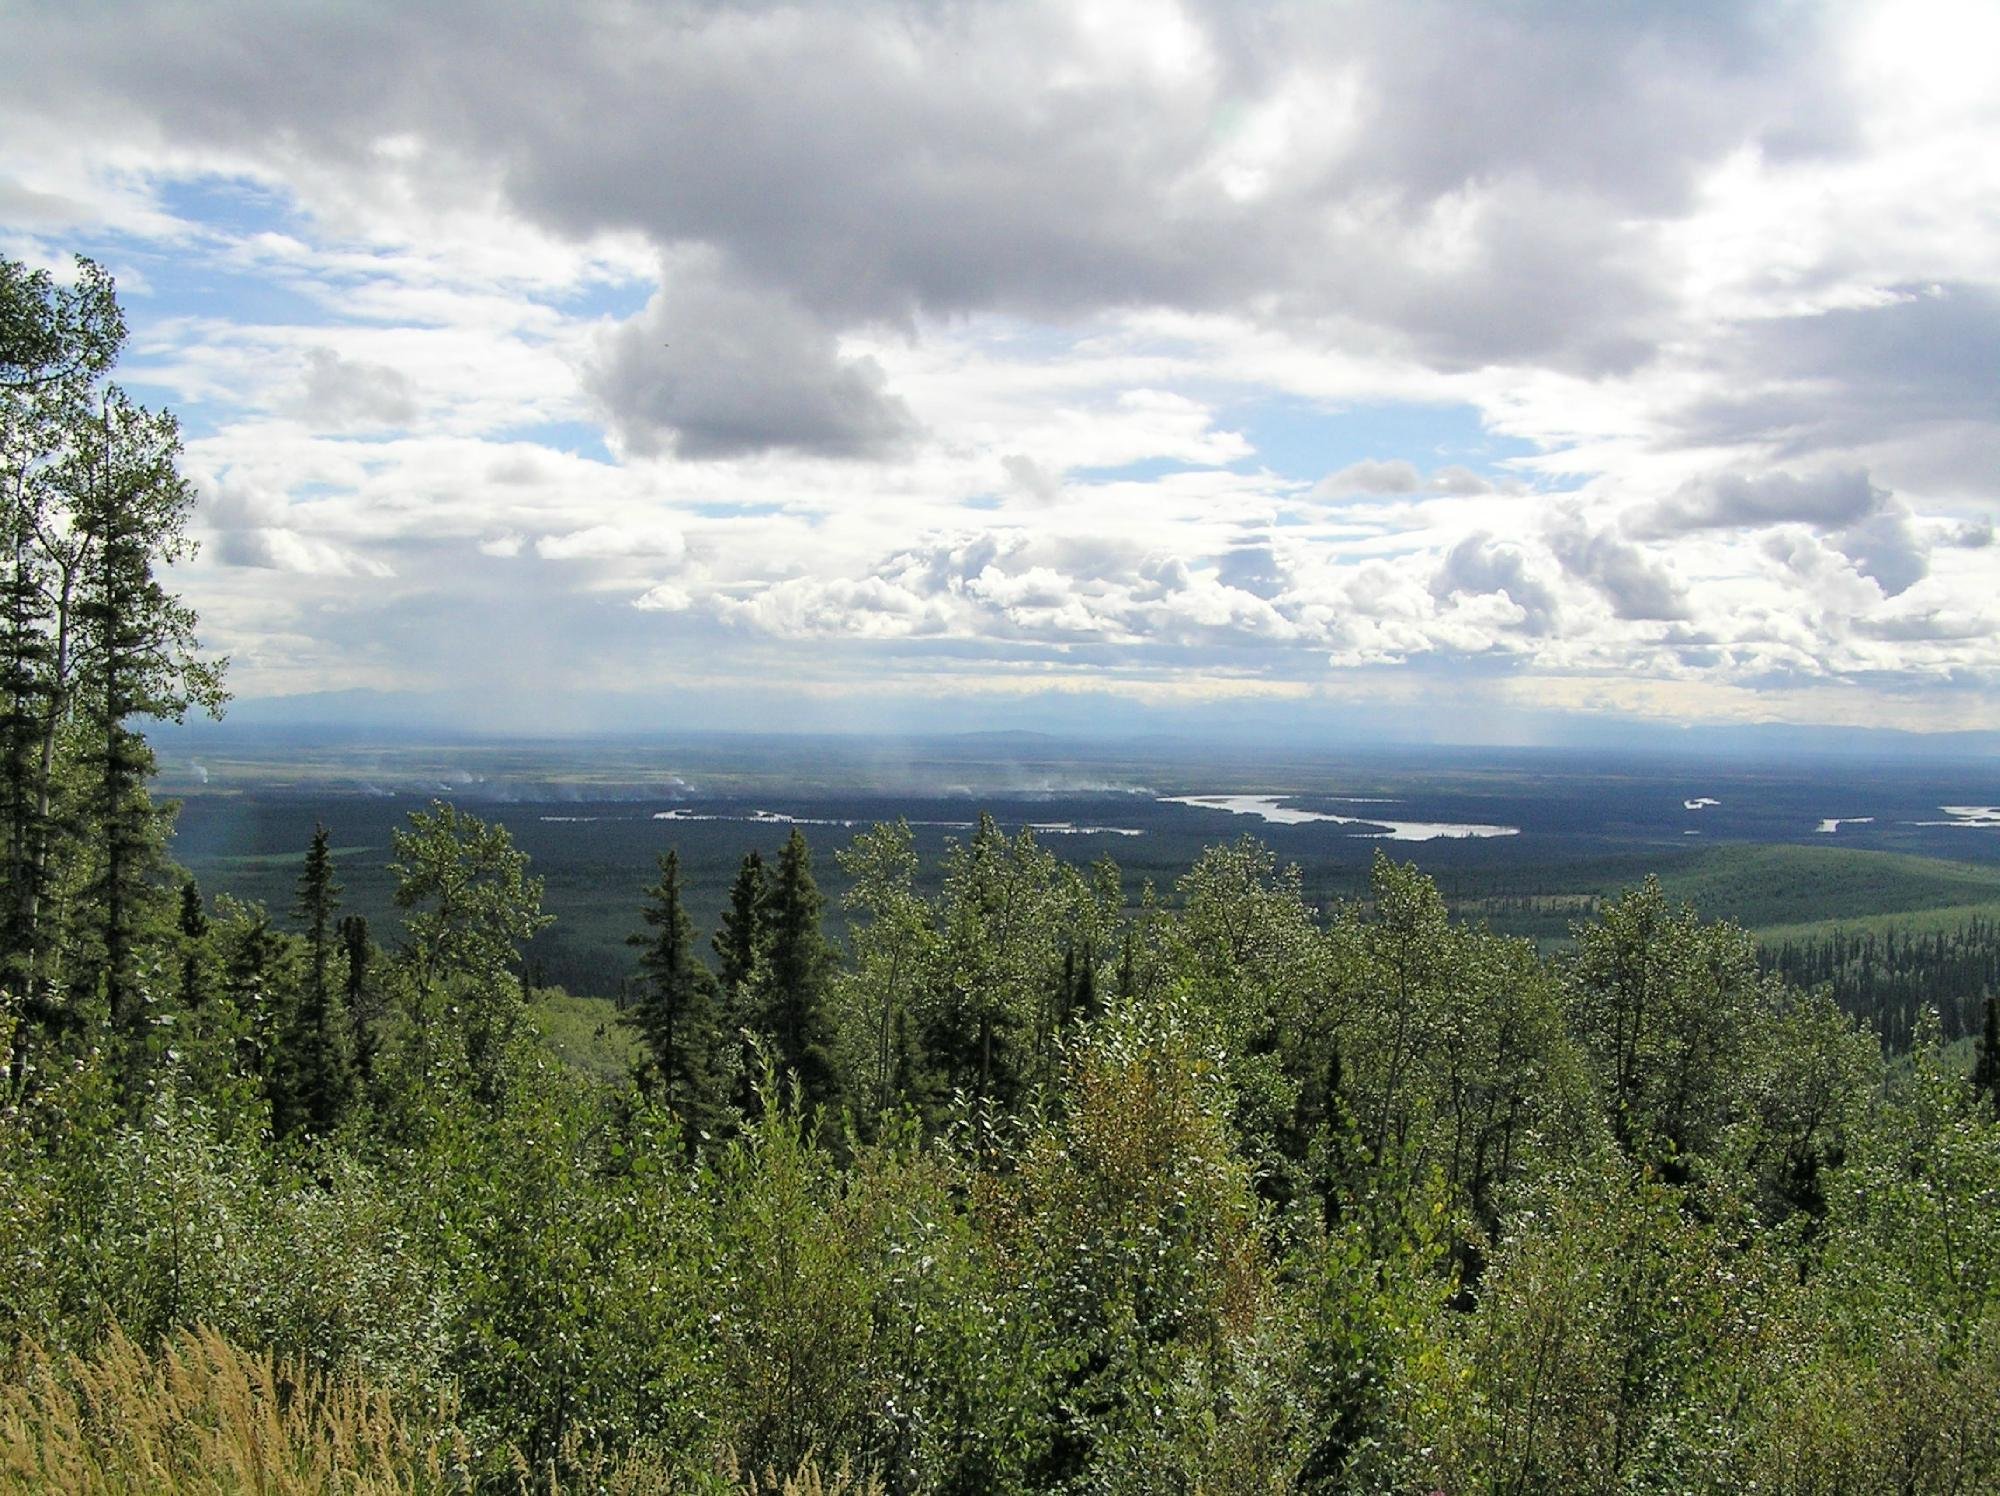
(1601, 359)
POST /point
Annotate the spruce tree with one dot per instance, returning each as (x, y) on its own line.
(130, 506)
(675, 1013)
(90, 643)
(193, 927)
(788, 990)
(1986, 1070)
(318, 898)
(361, 997)
(316, 1076)
(735, 942)
(207, 1031)
(56, 343)
(258, 987)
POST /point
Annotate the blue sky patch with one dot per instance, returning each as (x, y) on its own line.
(1304, 441)
(577, 438)
(1146, 470)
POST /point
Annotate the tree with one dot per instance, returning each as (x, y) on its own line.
(735, 942)
(257, 983)
(131, 506)
(193, 927)
(789, 983)
(1986, 1070)
(361, 996)
(1008, 916)
(1670, 1010)
(89, 641)
(892, 945)
(56, 343)
(52, 334)
(318, 898)
(676, 1008)
(317, 1075)
(469, 904)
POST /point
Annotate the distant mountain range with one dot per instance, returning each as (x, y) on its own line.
(1039, 724)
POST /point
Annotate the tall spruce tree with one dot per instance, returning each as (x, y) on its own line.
(318, 898)
(131, 506)
(1986, 1069)
(676, 1010)
(789, 985)
(257, 983)
(193, 928)
(317, 1077)
(56, 343)
(361, 997)
(735, 942)
(90, 642)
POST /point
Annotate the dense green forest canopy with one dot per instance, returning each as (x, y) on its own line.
(1033, 1183)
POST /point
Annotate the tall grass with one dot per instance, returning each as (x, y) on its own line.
(202, 1415)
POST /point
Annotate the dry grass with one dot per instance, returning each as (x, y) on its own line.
(808, 1481)
(202, 1415)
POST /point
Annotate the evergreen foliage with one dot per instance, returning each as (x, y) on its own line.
(91, 502)
(316, 1076)
(737, 940)
(1889, 980)
(361, 995)
(1986, 1069)
(788, 994)
(676, 1009)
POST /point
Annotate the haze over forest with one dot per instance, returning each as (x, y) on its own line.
(1462, 373)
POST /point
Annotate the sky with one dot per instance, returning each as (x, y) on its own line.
(1461, 370)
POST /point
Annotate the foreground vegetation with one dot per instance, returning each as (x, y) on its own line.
(1032, 1185)
(1016, 1195)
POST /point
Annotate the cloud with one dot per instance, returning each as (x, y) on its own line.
(255, 527)
(774, 324)
(1927, 626)
(945, 564)
(611, 542)
(275, 549)
(1638, 586)
(1252, 566)
(1910, 377)
(343, 394)
(1887, 548)
(664, 598)
(716, 368)
(879, 163)
(1394, 476)
(1729, 500)
(1030, 479)
(863, 608)
(1480, 565)
(1458, 482)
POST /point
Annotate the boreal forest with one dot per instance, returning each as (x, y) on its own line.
(1035, 1181)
